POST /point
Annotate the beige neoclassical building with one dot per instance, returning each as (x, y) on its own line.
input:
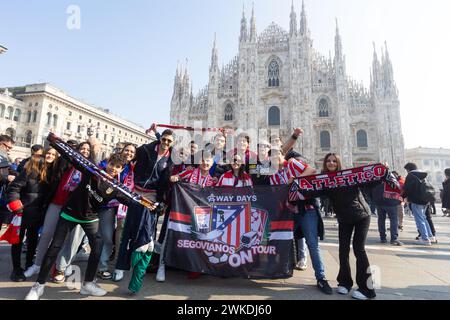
(28, 113)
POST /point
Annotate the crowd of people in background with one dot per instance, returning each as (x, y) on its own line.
(62, 218)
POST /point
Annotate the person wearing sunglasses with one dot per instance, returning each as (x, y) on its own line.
(151, 180)
(236, 177)
(7, 175)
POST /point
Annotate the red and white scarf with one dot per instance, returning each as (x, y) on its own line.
(195, 176)
(228, 179)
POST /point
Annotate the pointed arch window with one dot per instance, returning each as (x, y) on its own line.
(274, 116)
(2, 110)
(49, 118)
(324, 109)
(55, 120)
(361, 139)
(325, 140)
(35, 116)
(274, 74)
(29, 116)
(229, 112)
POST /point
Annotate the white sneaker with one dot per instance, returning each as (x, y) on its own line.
(117, 275)
(157, 247)
(68, 272)
(432, 240)
(161, 274)
(358, 295)
(36, 291)
(301, 265)
(425, 242)
(31, 271)
(342, 290)
(92, 289)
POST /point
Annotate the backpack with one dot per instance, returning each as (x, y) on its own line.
(425, 191)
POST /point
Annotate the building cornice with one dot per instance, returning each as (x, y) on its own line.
(80, 106)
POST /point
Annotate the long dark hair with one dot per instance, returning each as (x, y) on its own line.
(127, 145)
(241, 169)
(91, 153)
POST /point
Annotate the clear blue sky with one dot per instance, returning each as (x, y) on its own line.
(125, 55)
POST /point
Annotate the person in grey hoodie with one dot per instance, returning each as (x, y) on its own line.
(417, 205)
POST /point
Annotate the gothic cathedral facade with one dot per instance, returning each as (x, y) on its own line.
(279, 81)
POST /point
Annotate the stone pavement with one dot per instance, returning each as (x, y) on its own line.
(403, 273)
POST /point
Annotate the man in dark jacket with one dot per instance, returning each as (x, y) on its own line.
(418, 206)
(7, 175)
(36, 149)
(151, 179)
(446, 193)
(387, 201)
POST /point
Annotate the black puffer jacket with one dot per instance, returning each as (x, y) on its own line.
(446, 194)
(411, 190)
(349, 204)
(32, 193)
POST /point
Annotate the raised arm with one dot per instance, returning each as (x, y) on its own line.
(292, 140)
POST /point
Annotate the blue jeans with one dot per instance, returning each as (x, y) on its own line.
(70, 248)
(107, 221)
(309, 224)
(302, 254)
(392, 212)
(421, 221)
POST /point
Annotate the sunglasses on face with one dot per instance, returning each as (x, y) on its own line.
(166, 140)
(7, 146)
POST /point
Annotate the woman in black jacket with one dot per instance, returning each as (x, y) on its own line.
(353, 214)
(446, 193)
(28, 194)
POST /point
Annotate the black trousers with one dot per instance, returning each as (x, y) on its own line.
(363, 274)
(63, 228)
(31, 230)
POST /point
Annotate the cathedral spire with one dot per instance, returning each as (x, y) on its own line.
(293, 22)
(386, 52)
(375, 56)
(303, 21)
(253, 25)
(214, 55)
(244, 35)
(176, 82)
(388, 73)
(338, 43)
